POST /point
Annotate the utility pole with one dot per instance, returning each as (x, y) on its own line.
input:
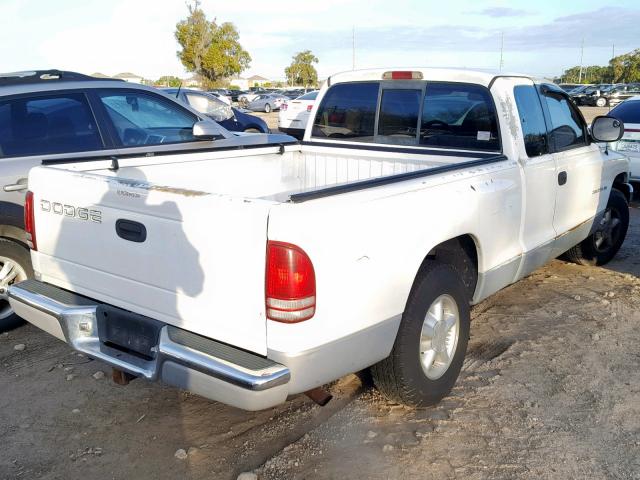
(501, 50)
(581, 59)
(353, 48)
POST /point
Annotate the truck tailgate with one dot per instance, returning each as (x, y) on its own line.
(187, 258)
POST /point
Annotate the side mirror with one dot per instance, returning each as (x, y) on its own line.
(206, 130)
(607, 129)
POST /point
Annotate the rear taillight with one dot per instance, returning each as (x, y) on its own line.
(309, 108)
(290, 284)
(283, 106)
(29, 221)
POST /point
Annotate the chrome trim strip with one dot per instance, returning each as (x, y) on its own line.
(80, 329)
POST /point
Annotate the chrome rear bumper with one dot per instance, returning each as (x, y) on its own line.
(209, 368)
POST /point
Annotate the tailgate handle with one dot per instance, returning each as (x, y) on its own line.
(130, 230)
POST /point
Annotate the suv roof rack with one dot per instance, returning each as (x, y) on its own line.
(41, 76)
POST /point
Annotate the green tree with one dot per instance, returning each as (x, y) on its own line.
(211, 51)
(626, 68)
(168, 81)
(301, 71)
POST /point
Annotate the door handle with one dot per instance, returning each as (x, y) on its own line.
(21, 184)
(130, 230)
(562, 178)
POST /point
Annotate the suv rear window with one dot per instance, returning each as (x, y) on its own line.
(627, 112)
(348, 111)
(47, 125)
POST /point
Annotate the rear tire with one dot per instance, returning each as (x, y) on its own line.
(601, 102)
(600, 247)
(428, 352)
(15, 266)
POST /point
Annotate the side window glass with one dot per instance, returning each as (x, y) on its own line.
(210, 106)
(47, 125)
(459, 116)
(398, 120)
(567, 129)
(531, 116)
(348, 111)
(146, 119)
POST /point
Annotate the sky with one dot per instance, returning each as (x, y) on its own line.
(540, 38)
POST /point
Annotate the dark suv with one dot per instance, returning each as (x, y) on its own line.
(64, 115)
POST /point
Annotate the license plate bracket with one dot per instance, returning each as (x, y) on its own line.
(127, 331)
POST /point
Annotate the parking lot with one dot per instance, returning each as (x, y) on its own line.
(549, 389)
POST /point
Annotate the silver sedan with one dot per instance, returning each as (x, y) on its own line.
(267, 102)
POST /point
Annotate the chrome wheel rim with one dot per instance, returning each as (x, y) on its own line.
(439, 336)
(608, 231)
(10, 272)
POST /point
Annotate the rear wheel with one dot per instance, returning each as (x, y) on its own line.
(601, 246)
(267, 108)
(601, 102)
(432, 340)
(15, 266)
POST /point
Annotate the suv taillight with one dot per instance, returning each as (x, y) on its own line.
(29, 221)
(290, 284)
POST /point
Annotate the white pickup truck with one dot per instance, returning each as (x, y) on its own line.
(250, 273)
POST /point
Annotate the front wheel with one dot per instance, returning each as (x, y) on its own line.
(267, 108)
(431, 343)
(601, 102)
(15, 266)
(601, 246)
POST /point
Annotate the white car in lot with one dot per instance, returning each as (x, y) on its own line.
(629, 113)
(294, 115)
(262, 267)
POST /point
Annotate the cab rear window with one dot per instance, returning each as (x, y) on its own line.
(348, 111)
(441, 115)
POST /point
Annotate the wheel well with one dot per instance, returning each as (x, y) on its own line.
(460, 252)
(621, 182)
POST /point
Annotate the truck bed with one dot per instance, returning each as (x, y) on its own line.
(298, 173)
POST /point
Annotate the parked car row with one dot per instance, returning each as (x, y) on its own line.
(604, 94)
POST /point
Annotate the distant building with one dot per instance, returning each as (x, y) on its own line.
(257, 81)
(240, 82)
(129, 77)
(191, 82)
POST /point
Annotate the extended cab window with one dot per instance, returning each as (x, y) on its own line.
(47, 125)
(567, 128)
(348, 111)
(531, 116)
(459, 116)
(141, 118)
